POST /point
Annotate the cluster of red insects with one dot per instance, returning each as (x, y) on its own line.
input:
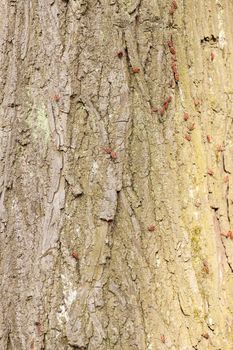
(190, 127)
(173, 57)
(135, 70)
(163, 109)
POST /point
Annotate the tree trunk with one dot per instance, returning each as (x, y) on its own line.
(116, 185)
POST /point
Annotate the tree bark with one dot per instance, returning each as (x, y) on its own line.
(116, 174)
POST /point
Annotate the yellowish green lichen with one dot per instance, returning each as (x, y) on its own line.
(38, 122)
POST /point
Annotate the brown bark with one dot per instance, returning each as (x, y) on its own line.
(116, 184)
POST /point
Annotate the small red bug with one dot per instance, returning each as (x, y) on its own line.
(170, 43)
(107, 150)
(174, 4)
(205, 267)
(209, 138)
(205, 335)
(135, 69)
(174, 67)
(171, 12)
(162, 338)
(188, 137)
(120, 54)
(56, 98)
(212, 56)
(74, 255)
(113, 155)
(177, 77)
(151, 228)
(210, 172)
(228, 234)
(186, 116)
(165, 105)
(172, 50)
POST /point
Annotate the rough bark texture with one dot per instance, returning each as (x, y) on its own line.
(81, 265)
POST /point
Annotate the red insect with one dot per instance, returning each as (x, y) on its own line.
(212, 56)
(162, 338)
(120, 54)
(174, 67)
(172, 50)
(171, 12)
(188, 137)
(170, 43)
(75, 255)
(174, 4)
(107, 150)
(177, 77)
(165, 105)
(173, 7)
(205, 335)
(228, 234)
(210, 172)
(205, 267)
(56, 98)
(113, 155)
(209, 138)
(186, 116)
(135, 70)
(151, 228)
